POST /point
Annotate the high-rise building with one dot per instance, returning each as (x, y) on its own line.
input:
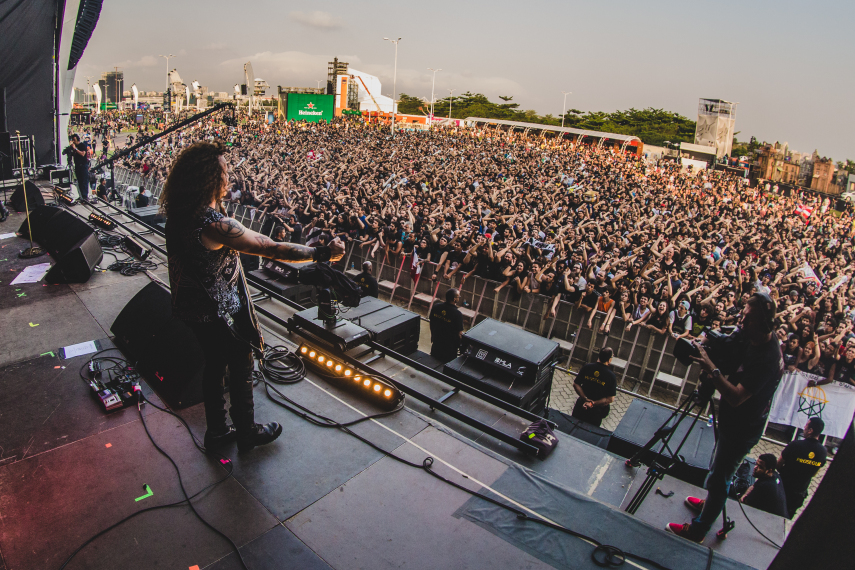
(112, 83)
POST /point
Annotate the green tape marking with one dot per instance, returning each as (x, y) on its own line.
(22, 294)
(147, 495)
(49, 352)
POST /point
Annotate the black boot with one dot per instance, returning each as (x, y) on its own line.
(258, 434)
(215, 440)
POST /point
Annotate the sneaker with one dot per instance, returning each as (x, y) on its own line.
(214, 440)
(695, 504)
(684, 530)
(257, 435)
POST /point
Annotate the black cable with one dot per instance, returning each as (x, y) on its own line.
(611, 555)
(772, 542)
(121, 362)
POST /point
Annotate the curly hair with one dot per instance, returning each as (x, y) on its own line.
(195, 180)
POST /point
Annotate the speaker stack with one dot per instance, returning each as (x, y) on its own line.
(164, 349)
(639, 424)
(34, 197)
(506, 362)
(69, 240)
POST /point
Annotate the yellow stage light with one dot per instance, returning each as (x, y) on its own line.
(312, 354)
(304, 350)
(320, 359)
(387, 393)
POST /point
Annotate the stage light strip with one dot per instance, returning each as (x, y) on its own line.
(381, 392)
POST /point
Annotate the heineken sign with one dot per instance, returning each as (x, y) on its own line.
(307, 107)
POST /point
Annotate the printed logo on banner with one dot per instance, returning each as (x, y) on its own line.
(812, 401)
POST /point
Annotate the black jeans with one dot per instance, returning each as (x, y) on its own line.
(223, 350)
(593, 416)
(82, 174)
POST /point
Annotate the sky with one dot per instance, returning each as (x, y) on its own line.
(788, 64)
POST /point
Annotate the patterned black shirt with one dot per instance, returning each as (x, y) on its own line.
(204, 283)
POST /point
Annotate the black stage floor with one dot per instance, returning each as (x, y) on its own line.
(317, 498)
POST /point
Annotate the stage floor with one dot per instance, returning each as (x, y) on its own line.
(317, 498)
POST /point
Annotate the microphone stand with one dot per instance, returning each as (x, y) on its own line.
(32, 251)
(4, 213)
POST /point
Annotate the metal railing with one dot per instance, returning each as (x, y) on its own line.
(641, 353)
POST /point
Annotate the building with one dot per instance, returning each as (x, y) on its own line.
(778, 164)
(823, 179)
(79, 96)
(112, 83)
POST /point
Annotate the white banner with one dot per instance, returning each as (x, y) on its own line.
(97, 89)
(795, 402)
(808, 273)
(136, 94)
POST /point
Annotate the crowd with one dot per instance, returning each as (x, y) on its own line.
(642, 243)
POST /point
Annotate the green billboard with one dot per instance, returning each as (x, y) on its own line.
(306, 107)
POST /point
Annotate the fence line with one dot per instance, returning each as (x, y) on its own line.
(642, 354)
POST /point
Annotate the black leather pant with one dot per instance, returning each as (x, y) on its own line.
(223, 350)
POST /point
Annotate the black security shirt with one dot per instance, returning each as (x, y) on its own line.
(597, 381)
(802, 460)
(446, 322)
(367, 284)
(768, 495)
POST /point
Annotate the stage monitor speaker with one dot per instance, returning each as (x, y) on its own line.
(71, 243)
(165, 349)
(391, 326)
(78, 263)
(511, 350)
(502, 385)
(40, 222)
(34, 197)
(640, 423)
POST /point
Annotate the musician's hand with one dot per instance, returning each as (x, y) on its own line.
(336, 249)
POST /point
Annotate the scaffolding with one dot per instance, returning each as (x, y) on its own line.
(334, 69)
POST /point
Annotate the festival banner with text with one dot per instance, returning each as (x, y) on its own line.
(795, 402)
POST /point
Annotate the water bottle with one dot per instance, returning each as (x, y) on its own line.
(353, 265)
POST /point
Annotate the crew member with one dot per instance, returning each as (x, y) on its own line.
(209, 291)
(746, 396)
(367, 283)
(799, 462)
(767, 492)
(596, 385)
(80, 154)
(446, 327)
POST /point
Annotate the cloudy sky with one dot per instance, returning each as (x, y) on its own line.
(788, 64)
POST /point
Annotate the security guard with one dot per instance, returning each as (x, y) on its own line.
(799, 462)
(596, 385)
(367, 283)
(446, 327)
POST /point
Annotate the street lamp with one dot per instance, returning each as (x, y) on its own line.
(432, 85)
(86, 99)
(564, 107)
(451, 92)
(168, 92)
(394, 81)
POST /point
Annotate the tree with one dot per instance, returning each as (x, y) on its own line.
(410, 105)
(652, 126)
